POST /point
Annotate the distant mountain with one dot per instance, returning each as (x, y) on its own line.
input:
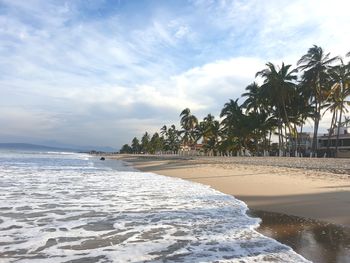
(54, 148)
(86, 148)
(97, 148)
(34, 147)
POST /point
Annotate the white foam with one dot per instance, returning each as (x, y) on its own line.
(56, 214)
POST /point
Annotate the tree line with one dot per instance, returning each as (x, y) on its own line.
(281, 105)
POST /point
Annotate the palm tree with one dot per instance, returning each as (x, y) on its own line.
(214, 137)
(340, 76)
(135, 145)
(205, 125)
(254, 99)
(258, 106)
(125, 149)
(145, 147)
(346, 121)
(234, 127)
(315, 64)
(210, 131)
(332, 106)
(164, 131)
(278, 89)
(173, 139)
(164, 136)
(189, 124)
(156, 143)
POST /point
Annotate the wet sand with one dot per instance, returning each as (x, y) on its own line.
(317, 241)
(305, 207)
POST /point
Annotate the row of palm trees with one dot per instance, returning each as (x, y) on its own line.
(280, 106)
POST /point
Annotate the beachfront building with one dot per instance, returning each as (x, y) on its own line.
(195, 150)
(327, 142)
(302, 144)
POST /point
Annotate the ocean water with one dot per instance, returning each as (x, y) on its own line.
(68, 207)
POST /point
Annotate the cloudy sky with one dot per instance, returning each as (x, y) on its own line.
(98, 72)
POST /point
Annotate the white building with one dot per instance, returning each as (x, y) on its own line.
(328, 143)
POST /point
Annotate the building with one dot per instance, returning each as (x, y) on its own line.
(327, 144)
(303, 143)
(194, 150)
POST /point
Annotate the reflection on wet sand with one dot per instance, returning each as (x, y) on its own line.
(316, 241)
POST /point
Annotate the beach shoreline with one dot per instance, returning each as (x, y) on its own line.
(309, 193)
(304, 208)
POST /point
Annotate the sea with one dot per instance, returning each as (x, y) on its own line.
(72, 207)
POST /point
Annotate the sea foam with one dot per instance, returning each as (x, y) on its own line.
(63, 208)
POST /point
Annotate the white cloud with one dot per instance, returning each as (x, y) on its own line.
(212, 84)
(182, 32)
(81, 73)
(22, 121)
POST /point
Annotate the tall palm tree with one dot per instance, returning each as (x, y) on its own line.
(189, 124)
(278, 89)
(125, 149)
(214, 137)
(164, 131)
(315, 64)
(164, 136)
(332, 106)
(210, 131)
(340, 77)
(234, 126)
(156, 143)
(173, 139)
(254, 100)
(145, 146)
(258, 106)
(204, 126)
(135, 145)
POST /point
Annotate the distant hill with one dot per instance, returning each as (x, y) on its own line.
(54, 148)
(83, 148)
(33, 147)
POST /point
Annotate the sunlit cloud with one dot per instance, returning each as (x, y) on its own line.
(73, 70)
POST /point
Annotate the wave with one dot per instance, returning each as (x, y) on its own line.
(111, 216)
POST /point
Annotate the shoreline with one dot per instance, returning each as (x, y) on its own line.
(311, 220)
(307, 193)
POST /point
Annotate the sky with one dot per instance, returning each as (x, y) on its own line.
(99, 72)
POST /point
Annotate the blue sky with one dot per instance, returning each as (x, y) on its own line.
(96, 72)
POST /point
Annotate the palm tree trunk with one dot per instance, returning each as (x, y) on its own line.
(265, 142)
(337, 140)
(282, 140)
(317, 114)
(287, 123)
(316, 123)
(256, 145)
(279, 132)
(314, 139)
(279, 138)
(301, 134)
(285, 136)
(330, 132)
(270, 135)
(340, 117)
(295, 142)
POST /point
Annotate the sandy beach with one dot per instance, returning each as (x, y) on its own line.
(303, 203)
(318, 191)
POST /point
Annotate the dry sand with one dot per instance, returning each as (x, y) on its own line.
(316, 192)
